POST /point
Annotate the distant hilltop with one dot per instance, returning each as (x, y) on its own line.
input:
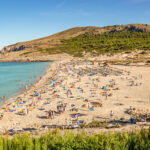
(80, 41)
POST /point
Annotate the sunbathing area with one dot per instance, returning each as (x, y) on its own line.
(77, 94)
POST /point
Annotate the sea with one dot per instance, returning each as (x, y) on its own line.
(15, 76)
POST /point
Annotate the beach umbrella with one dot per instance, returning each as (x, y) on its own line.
(80, 122)
(51, 82)
(37, 94)
(104, 87)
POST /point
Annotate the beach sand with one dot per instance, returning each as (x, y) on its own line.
(76, 91)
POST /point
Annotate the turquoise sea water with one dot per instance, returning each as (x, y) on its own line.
(14, 76)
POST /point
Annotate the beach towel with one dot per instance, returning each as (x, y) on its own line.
(11, 110)
(23, 102)
(77, 115)
(92, 109)
(73, 105)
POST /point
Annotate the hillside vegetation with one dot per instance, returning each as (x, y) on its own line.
(109, 42)
(81, 40)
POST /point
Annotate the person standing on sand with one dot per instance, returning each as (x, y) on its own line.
(88, 105)
(111, 113)
(67, 93)
(52, 114)
(106, 95)
(49, 114)
(26, 87)
(26, 111)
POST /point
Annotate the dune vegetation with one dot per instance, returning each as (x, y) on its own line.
(139, 140)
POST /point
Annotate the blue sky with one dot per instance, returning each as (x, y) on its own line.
(22, 20)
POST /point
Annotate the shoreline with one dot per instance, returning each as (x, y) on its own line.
(22, 91)
(26, 61)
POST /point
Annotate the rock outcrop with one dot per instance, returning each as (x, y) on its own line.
(13, 48)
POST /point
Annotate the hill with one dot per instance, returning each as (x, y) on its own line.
(80, 41)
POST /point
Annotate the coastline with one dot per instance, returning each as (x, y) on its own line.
(21, 91)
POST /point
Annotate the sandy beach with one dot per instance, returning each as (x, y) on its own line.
(77, 92)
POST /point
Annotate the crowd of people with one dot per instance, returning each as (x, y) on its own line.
(75, 91)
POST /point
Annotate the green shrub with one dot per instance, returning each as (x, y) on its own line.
(139, 140)
(109, 42)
